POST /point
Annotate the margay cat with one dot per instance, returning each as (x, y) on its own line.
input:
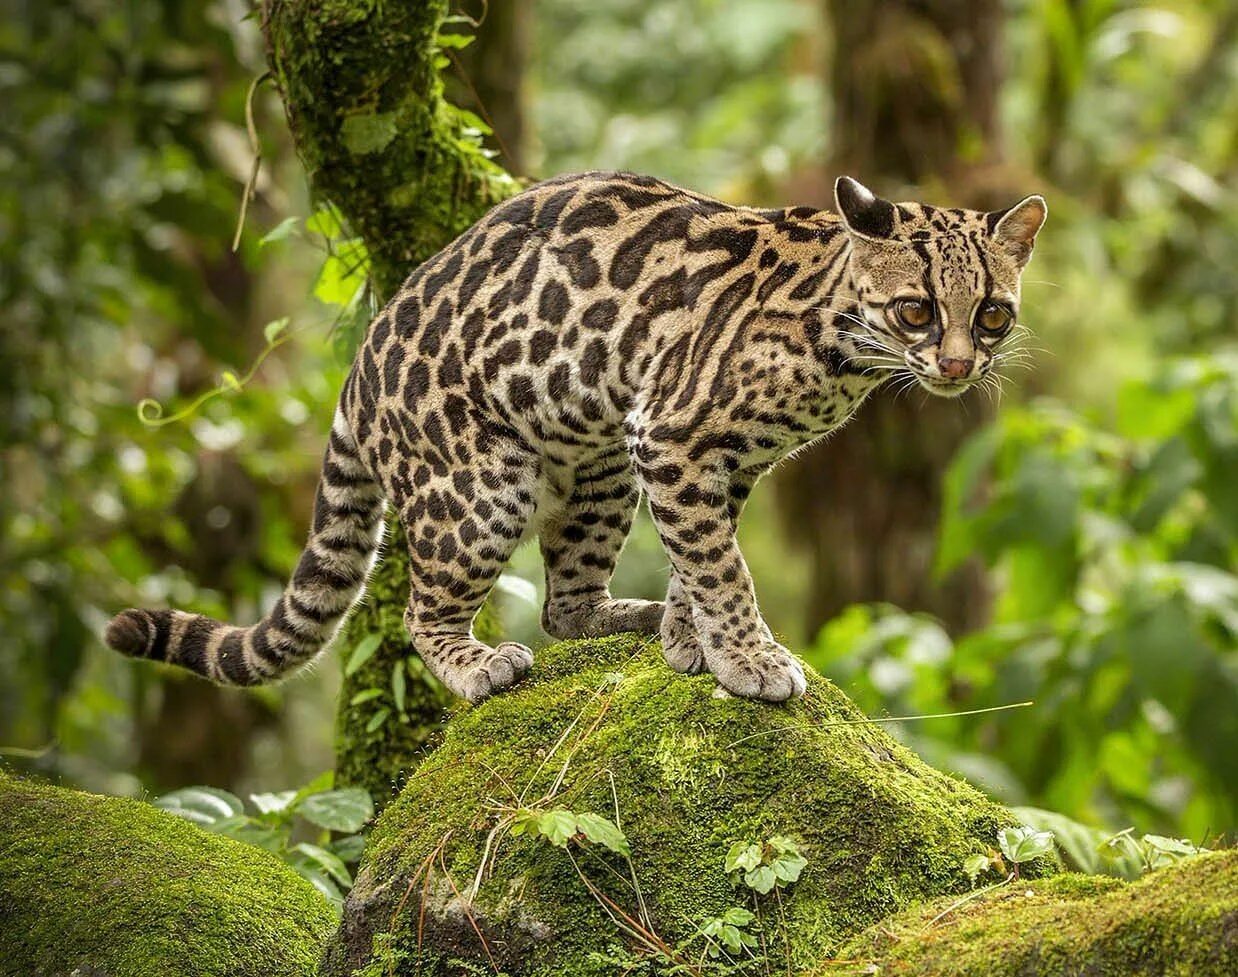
(593, 338)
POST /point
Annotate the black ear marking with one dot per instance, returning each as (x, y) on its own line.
(862, 211)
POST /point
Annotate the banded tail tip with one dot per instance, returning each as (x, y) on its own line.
(129, 632)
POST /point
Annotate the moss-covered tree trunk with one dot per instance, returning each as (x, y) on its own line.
(361, 85)
(913, 89)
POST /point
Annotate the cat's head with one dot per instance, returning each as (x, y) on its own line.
(938, 289)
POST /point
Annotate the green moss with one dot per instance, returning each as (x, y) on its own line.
(362, 89)
(110, 887)
(692, 773)
(1178, 922)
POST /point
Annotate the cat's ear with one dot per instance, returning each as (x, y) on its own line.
(865, 214)
(1016, 227)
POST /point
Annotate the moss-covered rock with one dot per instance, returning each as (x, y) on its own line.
(1177, 922)
(108, 887)
(606, 727)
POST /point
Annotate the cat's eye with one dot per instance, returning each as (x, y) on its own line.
(915, 314)
(993, 317)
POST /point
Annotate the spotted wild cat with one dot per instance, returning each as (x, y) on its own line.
(594, 338)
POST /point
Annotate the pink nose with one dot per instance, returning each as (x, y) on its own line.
(954, 369)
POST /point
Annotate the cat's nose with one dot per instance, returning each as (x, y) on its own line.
(954, 369)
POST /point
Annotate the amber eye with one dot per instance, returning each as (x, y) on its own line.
(993, 317)
(915, 314)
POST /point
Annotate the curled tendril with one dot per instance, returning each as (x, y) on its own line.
(151, 411)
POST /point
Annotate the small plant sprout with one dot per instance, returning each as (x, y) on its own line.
(765, 866)
(1018, 846)
(561, 826)
(726, 934)
(1151, 851)
(1023, 844)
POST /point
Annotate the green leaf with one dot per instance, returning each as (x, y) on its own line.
(377, 719)
(1024, 843)
(1159, 851)
(397, 684)
(320, 881)
(604, 832)
(737, 916)
(202, 805)
(761, 879)
(273, 803)
(280, 231)
(457, 41)
(975, 865)
(365, 695)
(789, 867)
(557, 826)
(324, 222)
(742, 857)
(349, 848)
(362, 653)
(347, 809)
(1086, 849)
(230, 380)
(328, 861)
(369, 133)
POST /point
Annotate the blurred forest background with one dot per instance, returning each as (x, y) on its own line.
(1074, 545)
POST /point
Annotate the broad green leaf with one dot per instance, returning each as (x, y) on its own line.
(365, 695)
(789, 867)
(1022, 844)
(604, 832)
(347, 809)
(320, 881)
(362, 653)
(557, 826)
(761, 879)
(742, 857)
(324, 222)
(273, 803)
(202, 805)
(349, 848)
(738, 916)
(328, 861)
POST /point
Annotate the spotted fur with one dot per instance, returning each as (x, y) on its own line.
(592, 339)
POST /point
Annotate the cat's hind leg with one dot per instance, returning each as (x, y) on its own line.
(580, 548)
(463, 525)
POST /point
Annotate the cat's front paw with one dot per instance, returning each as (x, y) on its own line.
(497, 669)
(765, 671)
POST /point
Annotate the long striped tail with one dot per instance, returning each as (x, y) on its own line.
(329, 578)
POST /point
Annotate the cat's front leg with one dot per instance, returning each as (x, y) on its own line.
(690, 498)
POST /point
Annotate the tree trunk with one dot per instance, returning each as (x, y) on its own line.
(361, 86)
(914, 89)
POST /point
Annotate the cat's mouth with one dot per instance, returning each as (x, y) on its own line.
(943, 388)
